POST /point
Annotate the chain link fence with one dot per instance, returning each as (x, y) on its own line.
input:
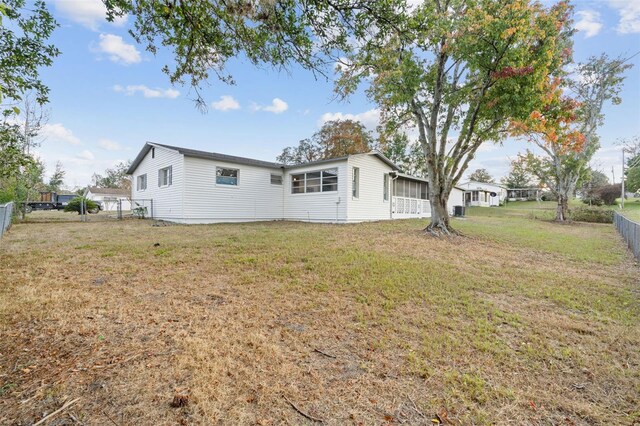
(140, 209)
(630, 231)
(6, 216)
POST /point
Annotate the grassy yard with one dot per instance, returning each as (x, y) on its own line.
(546, 210)
(518, 322)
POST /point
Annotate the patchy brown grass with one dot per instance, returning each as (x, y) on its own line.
(279, 323)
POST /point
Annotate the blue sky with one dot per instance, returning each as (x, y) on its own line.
(108, 96)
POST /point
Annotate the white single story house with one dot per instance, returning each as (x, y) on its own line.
(110, 197)
(483, 194)
(190, 186)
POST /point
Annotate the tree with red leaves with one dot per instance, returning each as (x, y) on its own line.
(565, 126)
(458, 72)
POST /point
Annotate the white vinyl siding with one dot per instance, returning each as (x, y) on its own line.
(254, 198)
(370, 203)
(325, 206)
(456, 198)
(167, 200)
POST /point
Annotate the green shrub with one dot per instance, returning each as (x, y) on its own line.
(592, 214)
(609, 193)
(548, 196)
(592, 199)
(74, 205)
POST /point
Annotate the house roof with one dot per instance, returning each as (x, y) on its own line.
(481, 184)
(201, 154)
(109, 191)
(241, 160)
(331, 160)
(411, 177)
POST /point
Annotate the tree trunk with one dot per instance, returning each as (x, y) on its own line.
(562, 211)
(439, 216)
(565, 189)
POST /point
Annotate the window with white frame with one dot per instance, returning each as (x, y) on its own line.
(317, 181)
(411, 189)
(385, 187)
(355, 182)
(165, 176)
(225, 176)
(141, 182)
(276, 179)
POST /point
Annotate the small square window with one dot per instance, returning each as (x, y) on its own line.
(276, 179)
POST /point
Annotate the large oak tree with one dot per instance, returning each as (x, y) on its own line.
(457, 71)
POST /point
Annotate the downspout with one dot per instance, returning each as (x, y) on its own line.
(284, 190)
(394, 175)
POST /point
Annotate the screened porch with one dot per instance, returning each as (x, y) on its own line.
(410, 197)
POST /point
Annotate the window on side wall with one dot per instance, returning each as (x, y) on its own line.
(141, 182)
(313, 182)
(385, 187)
(225, 176)
(165, 176)
(276, 179)
(355, 182)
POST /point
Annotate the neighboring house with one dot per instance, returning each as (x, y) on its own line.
(110, 197)
(524, 194)
(190, 186)
(483, 194)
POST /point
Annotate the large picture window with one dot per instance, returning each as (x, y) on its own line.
(320, 181)
(226, 176)
(165, 176)
(141, 182)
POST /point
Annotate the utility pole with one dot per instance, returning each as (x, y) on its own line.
(613, 176)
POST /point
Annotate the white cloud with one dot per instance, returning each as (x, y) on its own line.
(109, 145)
(226, 103)
(488, 147)
(146, 91)
(370, 119)
(277, 106)
(86, 155)
(629, 11)
(89, 13)
(58, 133)
(117, 49)
(588, 22)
